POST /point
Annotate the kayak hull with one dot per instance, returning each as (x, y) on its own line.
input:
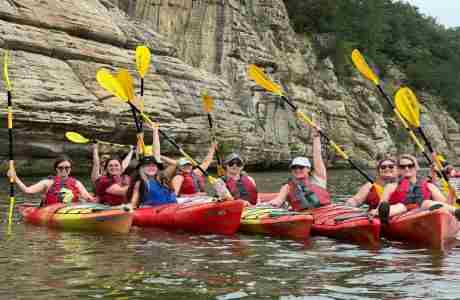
(431, 229)
(276, 222)
(201, 217)
(87, 217)
(347, 224)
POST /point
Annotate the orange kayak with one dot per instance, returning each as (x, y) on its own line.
(431, 229)
(79, 217)
(206, 217)
(341, 222)
(276, 222)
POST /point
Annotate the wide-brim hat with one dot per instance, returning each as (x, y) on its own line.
(150, 159)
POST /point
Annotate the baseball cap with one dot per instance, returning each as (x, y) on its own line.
(300, 161)
(183, 161)
(232, 156)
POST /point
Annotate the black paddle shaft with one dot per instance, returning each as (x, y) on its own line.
(10, 138)
(219, 160)
(295, 108)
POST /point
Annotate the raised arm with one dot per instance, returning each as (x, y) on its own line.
(319, 168)
(127, 159)
(208, 159)
(95, 170)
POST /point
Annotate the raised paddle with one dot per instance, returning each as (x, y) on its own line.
(7, 83)
(208, 105)
(407, 104)
(121, 86)
(77, 138)
(362, 66)
(142, 65)
(112, 85)
(258, 75)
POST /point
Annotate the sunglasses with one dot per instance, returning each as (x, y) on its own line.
(408, 166)
(384, 167)
(235, 163)
(66, 168)
(297, 167)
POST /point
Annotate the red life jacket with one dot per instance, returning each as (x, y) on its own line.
(243, 188)
(301, 190)
(105, 182)
(372, 198)
(55, 194)
(407, 193)
(192, 183)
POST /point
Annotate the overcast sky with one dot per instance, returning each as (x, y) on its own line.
(446, 12)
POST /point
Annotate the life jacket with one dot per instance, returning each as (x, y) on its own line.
(61, 191)
(409, 194)
(103, 183)
(373, 198)
(155, 193)
(303, 194)
(192, 183)
(243, 188)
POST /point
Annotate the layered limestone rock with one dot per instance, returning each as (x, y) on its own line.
(58, 45)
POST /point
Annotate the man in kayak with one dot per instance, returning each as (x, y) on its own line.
(61, 188)
(149, 186)
(387, 172)
(411, 191)
(306, 188)
(238, 182)
(189, 182)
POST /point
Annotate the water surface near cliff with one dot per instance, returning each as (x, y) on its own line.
(37, 263)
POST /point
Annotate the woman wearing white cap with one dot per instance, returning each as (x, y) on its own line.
(306, 189)
(240, 184)
(190, 182)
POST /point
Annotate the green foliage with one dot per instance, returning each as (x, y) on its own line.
(387, 31)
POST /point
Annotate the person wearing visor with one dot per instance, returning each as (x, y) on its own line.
(149, 186)
(387, 172)
(306, 188)
(411, 191)
(189, 182)
(240, 184)
(61, 188)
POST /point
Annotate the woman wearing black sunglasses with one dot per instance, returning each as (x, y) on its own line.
(411, 191)
(387, 172)
(306, 188)
(240, 184)
(61, 188)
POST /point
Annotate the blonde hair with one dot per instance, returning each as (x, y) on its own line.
(412, 158)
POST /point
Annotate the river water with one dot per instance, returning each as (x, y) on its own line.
(38, 263)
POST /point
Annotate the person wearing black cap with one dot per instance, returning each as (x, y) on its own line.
(306, 188)
(149, 188)
(240, 184)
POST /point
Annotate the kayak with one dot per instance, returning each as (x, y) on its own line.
(276, 222)
(341, 222)
(346, 223)
(205, 216)
(91, 217)
(432, 229)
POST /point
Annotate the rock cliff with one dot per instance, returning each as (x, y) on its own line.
(57, 46)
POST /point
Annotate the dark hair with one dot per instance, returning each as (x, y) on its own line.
(106, 163)
(388, 158)
(60, 159)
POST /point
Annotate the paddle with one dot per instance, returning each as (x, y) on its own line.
(208, 105)
(77, 138)
(112, 85)
(406, 102)
(142, 65)
(257, 74)
(7, 82)
(122, 87)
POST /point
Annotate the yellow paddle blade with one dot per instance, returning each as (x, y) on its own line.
(142, 60)
(148, 150)
(6, 78)
(220, 171)
(111, 84)
(258, 75)
(75, 137)
(406, 103)
(441, 158)
(208, 102)
(362, 66)
(126, 81)
(379, 190)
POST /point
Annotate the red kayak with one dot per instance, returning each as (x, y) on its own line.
(206, 217)
(432, 229)
(341, 222)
